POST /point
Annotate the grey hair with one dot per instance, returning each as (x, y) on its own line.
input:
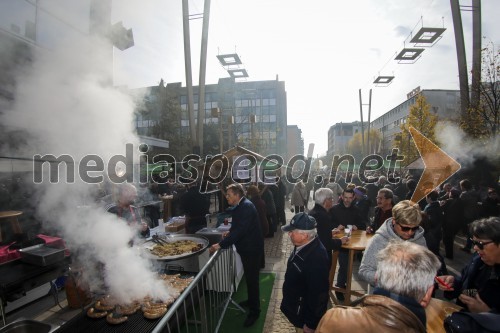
(322, 194)
(311, 233)
(406, 269)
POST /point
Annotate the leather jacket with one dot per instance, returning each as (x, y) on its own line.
(373, 313)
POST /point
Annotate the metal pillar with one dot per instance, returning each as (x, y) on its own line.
(461, 59)
(362, 127)
(369, 115)
(476, 53)
(203, 67)
(187, 65)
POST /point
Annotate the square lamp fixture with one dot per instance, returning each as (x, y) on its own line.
(229, 59)
(383, 81)
(408, 55)
(427, 36)
(238, 73)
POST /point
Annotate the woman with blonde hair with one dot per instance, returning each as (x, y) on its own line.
(404, 225)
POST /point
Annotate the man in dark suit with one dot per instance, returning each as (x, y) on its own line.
(246, 235)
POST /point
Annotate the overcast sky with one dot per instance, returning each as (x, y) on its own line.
(324, 51)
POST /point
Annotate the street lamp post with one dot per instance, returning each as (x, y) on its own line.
(252, 135)
(230, 122)
(217, 113)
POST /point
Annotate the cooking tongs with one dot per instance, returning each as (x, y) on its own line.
(158, 240)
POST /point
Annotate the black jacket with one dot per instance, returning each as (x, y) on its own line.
(245, 232)
(478, 275)
(345, 216)
(305, 289)
(324, 227)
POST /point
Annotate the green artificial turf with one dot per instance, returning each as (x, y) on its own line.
(234, 318)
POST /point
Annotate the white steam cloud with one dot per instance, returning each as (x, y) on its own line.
(465, 151)
(66, 105)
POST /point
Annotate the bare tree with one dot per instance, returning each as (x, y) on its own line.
(483, 122)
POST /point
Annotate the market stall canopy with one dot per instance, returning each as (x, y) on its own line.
(232, 155)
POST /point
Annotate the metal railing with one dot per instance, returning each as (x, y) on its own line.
(202, 305)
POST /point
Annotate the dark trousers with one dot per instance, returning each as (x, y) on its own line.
(251, 268)
(299, 209)
(448, 239)
(343, 263)
(273, 223)
(466, 229)
(281, 215)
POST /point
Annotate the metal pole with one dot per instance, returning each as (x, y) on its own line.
(461, 59)
(203, 68)
(187, 65)
(362, 128)
(476, 53)
(230, 131)
(220, 131)
(369, 114)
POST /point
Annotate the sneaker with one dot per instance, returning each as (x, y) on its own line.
(340, 296)
(251, 319)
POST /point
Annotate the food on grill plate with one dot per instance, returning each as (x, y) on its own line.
(101, 306)
(150, 307)
(155, 313)
(116, 318)
(128, 309)
(92, 313)
(176, 248)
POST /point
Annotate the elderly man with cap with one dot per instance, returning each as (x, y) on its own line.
(305, 289)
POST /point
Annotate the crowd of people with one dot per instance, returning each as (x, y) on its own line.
(400, 263)
(403, 257)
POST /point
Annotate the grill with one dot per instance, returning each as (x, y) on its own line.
(135, 323)
(202, 304)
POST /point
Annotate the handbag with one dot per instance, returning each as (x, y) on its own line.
(466, 322)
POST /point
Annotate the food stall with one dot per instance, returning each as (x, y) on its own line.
(213, 284)
(22, 270)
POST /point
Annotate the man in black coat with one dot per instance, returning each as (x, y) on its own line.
(305, 289)
(323, 202)
(344, 214)
(246, 235)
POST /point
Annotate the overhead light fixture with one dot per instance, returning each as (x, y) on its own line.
(427, 37)
(238, 73)
(383, 81)
(229, 59)
(409, 55)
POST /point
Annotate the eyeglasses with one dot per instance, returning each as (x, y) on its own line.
(406, 229)
(480, 244)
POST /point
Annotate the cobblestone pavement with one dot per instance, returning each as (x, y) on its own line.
(277, 250)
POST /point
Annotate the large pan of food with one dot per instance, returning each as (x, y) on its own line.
(173, 247)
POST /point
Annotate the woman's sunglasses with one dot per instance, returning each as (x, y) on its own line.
(406, 229)
(480, 245)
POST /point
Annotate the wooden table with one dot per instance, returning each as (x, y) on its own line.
(10, 216)
(436, 312)
(359, 240)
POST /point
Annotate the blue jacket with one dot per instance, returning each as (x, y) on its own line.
(245, 232)
(410, 303)
(478, 275)
(305, 289)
